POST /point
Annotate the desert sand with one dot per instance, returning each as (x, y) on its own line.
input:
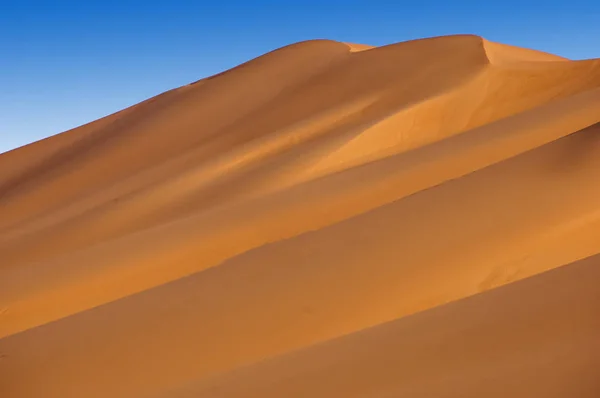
(326, 220)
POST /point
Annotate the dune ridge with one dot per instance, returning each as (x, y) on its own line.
(200, 240)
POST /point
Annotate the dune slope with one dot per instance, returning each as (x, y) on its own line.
(315, 192)
(537, 337)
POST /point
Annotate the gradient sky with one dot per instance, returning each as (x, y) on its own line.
(66, 63)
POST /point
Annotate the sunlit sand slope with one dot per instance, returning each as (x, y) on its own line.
(315, 192)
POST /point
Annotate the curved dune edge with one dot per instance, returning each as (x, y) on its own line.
(355, 48)
(499, 53)
(308, 194)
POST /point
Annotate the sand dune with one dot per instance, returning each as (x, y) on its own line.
(536, 337)
(296, 226)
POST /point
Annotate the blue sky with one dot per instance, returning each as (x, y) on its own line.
(66, 63)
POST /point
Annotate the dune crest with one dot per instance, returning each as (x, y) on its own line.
(499, 53)
(311, 213)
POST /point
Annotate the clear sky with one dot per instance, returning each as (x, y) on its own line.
(66, 63)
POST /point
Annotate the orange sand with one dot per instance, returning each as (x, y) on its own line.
(326, 220)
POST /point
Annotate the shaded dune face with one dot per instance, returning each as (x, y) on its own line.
(329, 219)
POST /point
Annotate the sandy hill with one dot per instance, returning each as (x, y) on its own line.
(329, 219)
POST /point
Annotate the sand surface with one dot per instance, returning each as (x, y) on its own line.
(327, 220)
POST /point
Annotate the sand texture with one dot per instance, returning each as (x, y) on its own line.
(327, 220)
